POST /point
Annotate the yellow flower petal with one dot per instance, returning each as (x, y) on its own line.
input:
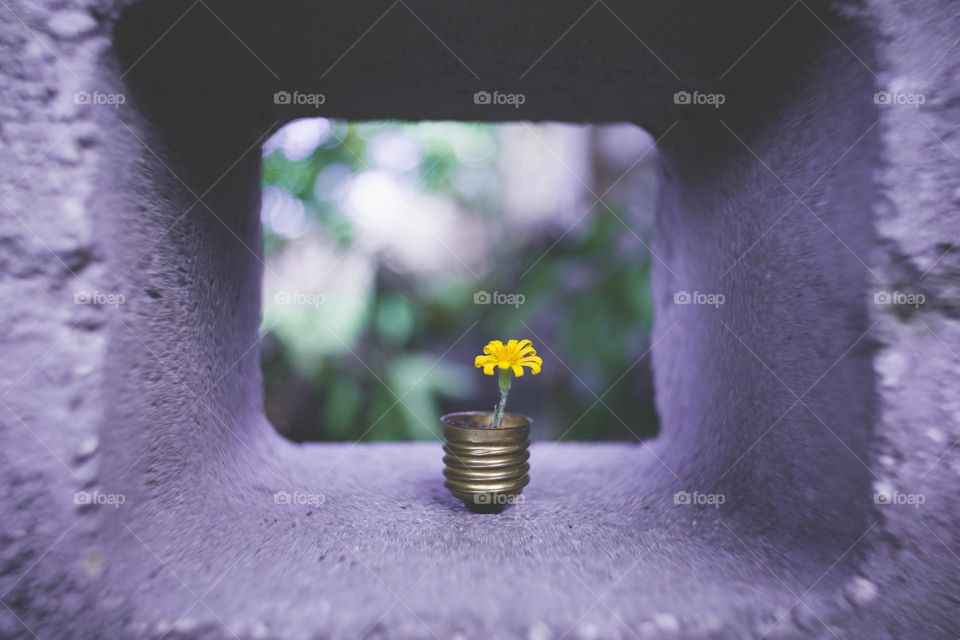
(512, 356)
(494, 347)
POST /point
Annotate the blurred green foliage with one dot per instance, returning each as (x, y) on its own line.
(386, 362)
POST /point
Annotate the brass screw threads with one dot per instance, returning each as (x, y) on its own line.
(485, 467)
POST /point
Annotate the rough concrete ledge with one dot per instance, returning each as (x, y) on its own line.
(372, 545)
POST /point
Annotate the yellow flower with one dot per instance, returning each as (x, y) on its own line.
(516, 355)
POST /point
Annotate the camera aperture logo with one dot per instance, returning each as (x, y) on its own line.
(710, 299)
(299, 498)
(511, 99)
(298, 98)
(899, 298)
(698, 98)
(512, 299)
(686, 498)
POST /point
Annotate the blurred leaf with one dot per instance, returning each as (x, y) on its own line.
(341, 413)
(326, 329)
(395, 318)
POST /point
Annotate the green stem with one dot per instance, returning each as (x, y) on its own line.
(506, 379)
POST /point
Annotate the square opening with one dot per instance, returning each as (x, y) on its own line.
(395, 250)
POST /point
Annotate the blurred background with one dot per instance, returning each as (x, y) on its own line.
(395, 251)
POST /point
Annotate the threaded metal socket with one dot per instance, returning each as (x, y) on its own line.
(485, 467)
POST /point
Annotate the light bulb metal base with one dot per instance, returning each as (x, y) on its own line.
(484, 467)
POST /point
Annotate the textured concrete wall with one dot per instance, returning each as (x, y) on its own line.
(799, 400)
